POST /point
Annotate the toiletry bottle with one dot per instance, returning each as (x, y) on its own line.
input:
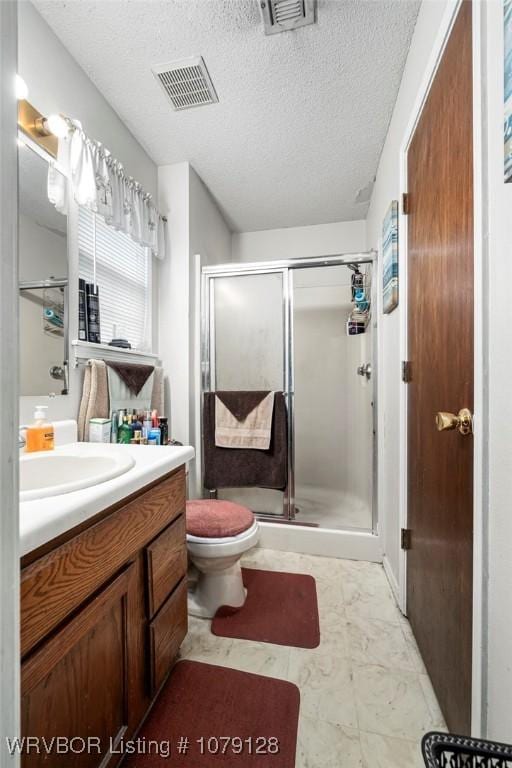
(120, 419)
(114, 426)
(39, 435)
(136, 423)
(146, 424)
(164, 430)
(82, 311)
(125, 432)
(92, 297)
(137, 437)
(154, 435)
(360, 300)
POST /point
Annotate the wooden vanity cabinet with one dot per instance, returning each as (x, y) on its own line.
(103, 614)
(76, 683)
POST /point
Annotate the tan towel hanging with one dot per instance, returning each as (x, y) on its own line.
(94, 403)
(253, 431)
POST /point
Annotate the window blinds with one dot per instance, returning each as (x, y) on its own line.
(120, 268)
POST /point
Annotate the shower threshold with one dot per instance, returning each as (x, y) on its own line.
(267, 518)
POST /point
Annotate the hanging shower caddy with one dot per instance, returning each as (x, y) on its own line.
(53, 311)
(361, 291)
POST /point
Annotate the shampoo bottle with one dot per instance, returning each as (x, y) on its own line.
(39, 435)
(82, 311)
(136, 424)
(92, 298)
(124, 433)
(146, 424)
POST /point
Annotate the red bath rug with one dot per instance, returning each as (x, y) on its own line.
(280, 608)
(215, 716)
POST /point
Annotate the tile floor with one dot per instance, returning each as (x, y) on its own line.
(366, 698)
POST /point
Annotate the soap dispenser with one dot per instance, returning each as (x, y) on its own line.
(39, 435)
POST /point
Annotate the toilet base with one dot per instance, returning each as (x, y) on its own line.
(217, 587)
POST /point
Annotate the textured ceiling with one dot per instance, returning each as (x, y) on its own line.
(302, 115)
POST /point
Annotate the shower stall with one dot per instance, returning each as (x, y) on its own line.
(296, 326)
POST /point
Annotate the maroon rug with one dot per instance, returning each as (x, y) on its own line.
(280, 608)
(225, 717)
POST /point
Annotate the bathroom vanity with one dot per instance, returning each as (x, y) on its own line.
(103, 614)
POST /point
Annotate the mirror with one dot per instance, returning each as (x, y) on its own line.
(43, 279)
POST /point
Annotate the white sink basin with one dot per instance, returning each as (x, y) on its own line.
(52, 473)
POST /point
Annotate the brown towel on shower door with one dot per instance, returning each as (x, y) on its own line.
(242, 467)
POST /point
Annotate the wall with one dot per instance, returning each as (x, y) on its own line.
(173, 298)
(209, 233)
(300, 242)
(497, 235)
(386, 189)
(56, 83)
(198, 236)
(9, 519)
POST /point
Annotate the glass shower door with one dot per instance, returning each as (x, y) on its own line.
(247, 333)
(333, 405)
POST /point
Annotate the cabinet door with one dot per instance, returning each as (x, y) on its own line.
(76, 685)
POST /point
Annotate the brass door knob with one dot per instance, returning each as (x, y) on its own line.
(463, 421)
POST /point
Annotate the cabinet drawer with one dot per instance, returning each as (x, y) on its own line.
(58, 583)
(166, 561)
(166, 633)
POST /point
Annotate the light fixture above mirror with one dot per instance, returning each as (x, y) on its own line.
(44, 130)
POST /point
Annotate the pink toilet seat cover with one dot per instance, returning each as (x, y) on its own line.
(216, 519)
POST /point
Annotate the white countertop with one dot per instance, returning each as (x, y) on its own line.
(43, 519)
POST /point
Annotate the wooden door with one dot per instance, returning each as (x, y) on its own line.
(77, 683)
(440, 341)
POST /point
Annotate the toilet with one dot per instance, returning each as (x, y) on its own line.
(218, 534)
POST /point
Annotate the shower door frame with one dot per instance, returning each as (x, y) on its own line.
(285, 268)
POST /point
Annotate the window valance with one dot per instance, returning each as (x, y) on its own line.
(98, 181)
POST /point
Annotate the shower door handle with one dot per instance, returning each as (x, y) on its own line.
(365, 370)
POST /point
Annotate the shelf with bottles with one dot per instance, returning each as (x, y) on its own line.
(138, 427)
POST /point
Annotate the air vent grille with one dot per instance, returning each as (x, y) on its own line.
(284, 15)
(187, 83)
(287, 10)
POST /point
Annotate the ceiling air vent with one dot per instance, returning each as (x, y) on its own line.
(186, 83)
(284, 15)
